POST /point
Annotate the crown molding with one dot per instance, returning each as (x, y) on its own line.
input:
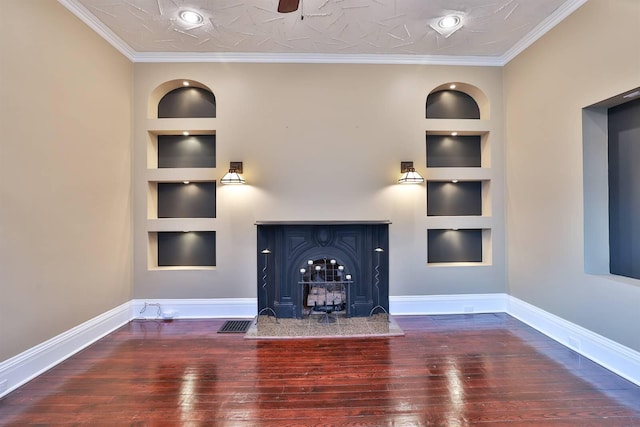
(544, 27)
(316, 58)
(96, 25)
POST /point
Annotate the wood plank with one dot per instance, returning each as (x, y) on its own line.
(479, 369)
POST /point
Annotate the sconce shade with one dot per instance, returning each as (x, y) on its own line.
(410, 176)
(232, 177)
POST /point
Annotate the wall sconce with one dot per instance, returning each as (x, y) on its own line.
(233, 176)
(409, 174)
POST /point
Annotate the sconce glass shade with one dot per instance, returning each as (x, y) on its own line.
(411, 177)
(232, 177)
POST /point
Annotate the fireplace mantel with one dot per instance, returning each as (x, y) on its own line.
(292, 244)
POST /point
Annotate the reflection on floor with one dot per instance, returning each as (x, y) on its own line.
(321, 325)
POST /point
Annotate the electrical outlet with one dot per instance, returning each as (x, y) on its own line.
(574, 343)
(168, 315)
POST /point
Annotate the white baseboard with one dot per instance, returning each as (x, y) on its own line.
(19, 369)
(27, 365)
(228, 308)
(448, 304)
(247, 307)
(605, 352)
(615, 357)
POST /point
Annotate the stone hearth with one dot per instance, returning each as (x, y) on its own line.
(379, 325)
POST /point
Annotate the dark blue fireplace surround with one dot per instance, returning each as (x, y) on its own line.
(350, 243)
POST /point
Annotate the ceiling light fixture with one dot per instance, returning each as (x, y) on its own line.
(449, 21)
(448, 24)
(185, 83)
(191, 17)
(452, 86)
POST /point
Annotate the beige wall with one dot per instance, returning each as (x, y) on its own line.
(593, 55)
(65, 161)
(65, 253)
(318, 142)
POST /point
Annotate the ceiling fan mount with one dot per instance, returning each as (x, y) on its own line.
(287, 6)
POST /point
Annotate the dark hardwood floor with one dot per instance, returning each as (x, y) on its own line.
(479, 369)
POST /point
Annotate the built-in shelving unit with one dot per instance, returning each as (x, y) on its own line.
(181, 177)
(459, 177)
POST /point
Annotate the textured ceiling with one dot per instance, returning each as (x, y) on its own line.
(389, 27)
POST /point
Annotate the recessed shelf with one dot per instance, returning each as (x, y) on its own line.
(186, 151)
(186, 199)
(462, 126)
(459, 247)
(182, 174)
(182, 249)
(458, 149)
(187, 102)
(181, 224)
(461, 174)
(179, 200)
(451, 104)
(461, 198)
(171, 148)
(458, 264)
(183, 268)
(459, 177)
(445, 151)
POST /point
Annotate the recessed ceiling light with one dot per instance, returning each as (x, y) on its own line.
(185, 133)
(449, 21)
(448, 24)
(452, 86)
(455, 181)
(454, 133)
(185, 83)
(186, 182)
(191, 17)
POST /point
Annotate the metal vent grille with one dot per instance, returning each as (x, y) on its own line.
(235, 327)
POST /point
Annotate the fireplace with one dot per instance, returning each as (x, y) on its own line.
(348, 261)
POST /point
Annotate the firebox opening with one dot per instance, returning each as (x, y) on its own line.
(324, 287)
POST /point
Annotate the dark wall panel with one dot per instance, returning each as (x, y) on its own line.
(454, 245)
(186, 102)
(193, 200)
(448, 198)
(451, 104)
(624, 189)
(194, 151)
(195, 248)
(444, 151)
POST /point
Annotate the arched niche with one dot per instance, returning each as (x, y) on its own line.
(173, 99)
(464, 102)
